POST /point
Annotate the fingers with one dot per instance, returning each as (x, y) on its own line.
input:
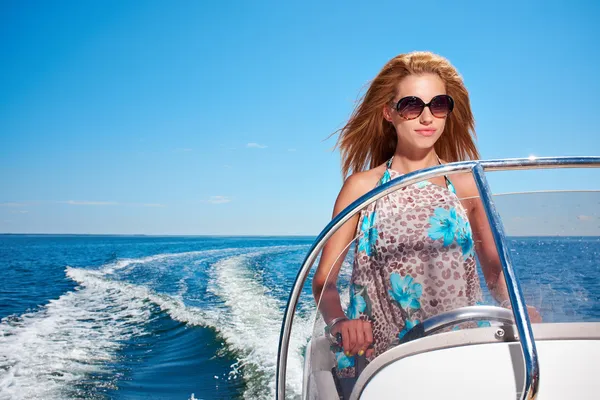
(534, 315)
(357, 336)
(360, 339)
(348, 337)
(368, 337)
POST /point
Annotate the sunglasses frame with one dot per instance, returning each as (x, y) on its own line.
(450, 105)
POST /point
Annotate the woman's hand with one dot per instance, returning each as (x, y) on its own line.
(357, 336)
(534, 316)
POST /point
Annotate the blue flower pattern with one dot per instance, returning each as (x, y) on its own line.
(448, 225)
(368, 231)
(357, 304)
(408, 325)
(444, 224)
(465, 238)
(343, 361)
(368, 237)
(405, 291)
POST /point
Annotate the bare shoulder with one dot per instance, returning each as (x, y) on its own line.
(362, 182)
(357, 185)
(464, 184)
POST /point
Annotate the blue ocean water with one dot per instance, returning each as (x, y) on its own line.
(114, 317)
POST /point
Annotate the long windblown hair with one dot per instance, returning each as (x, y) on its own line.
(368, 139)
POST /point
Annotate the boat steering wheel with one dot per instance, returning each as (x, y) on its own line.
(458, 316)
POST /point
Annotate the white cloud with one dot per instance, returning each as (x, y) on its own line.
(109, 203)
(12, 204)
(218, 199)
(256, 146)
(585, 217)
(292, 150)
(90, 203)
(19, 212)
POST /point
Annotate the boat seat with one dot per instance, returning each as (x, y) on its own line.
(319, 382)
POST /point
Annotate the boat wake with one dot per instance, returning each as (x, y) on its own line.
(76, 338)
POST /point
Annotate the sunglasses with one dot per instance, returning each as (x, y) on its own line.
(411, 107)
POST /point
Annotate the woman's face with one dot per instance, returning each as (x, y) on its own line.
(422, 132)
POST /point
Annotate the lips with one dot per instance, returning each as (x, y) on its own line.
(425, 132)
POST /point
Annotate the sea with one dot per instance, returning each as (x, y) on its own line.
(147, 317)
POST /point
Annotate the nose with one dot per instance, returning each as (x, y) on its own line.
(426, 117)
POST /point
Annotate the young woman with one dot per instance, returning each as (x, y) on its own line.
(415, 255)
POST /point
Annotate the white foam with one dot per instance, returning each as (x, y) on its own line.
(129, 263)
(43, 354)
(252, 325)
(174, 306)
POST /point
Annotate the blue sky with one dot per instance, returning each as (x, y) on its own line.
(189, 117)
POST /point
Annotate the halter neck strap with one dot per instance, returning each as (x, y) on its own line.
(449, 184)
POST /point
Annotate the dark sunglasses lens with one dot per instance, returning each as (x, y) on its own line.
(410, 107)
(441, 106)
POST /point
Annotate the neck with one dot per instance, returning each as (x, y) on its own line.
(404, 162)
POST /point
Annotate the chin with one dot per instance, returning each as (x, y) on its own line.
(419, 142)
(426, 142)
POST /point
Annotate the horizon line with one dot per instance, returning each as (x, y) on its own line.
(228, 235)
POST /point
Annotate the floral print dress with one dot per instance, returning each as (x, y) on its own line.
(414, 259)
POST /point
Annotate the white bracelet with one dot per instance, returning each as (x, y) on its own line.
(505, 303)
(336, 340)
(335, 321)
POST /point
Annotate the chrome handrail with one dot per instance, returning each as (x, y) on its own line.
(516, 296)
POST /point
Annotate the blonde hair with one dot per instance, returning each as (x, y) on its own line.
(368, 140)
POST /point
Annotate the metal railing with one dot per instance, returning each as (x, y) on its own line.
(478, 169)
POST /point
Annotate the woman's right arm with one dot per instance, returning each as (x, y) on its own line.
(356, 334)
